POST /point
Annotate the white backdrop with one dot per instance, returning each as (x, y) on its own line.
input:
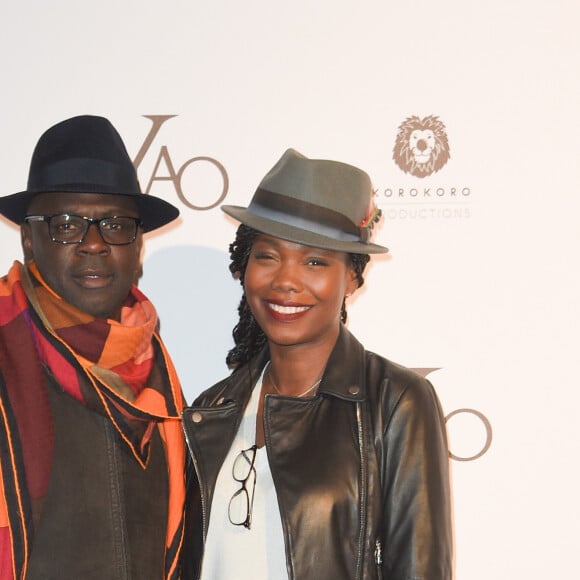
(482, 286)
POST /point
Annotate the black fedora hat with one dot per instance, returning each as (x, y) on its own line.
(85, 154)
(315, 202)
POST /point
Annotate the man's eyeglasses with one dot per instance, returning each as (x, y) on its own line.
(67, 228)
(241, 503)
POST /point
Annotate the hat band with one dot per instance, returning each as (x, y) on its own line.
(95, 173)
(303, 215)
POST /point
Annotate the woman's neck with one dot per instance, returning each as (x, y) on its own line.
(294, 369)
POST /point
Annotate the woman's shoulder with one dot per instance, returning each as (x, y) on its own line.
(392, 370)
(399, 384)
(382, 376)
(211, 394)
(233, 387)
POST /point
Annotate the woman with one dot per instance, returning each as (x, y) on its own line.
(315, 459)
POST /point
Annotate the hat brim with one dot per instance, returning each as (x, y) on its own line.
(298, 235)
(153, 211)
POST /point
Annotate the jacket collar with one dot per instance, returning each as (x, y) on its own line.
(342, 378)
(345, 370)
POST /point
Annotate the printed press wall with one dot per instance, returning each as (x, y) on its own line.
(481, 288)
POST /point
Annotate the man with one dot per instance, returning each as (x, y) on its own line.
(91, 450)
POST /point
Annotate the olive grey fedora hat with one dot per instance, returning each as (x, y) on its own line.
(85, 154)
(315, 202)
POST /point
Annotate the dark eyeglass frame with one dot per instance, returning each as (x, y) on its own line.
(247, 523)
(88, 223)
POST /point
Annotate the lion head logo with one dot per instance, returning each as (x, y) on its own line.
(421, 147)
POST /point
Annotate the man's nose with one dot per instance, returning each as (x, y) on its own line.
(93, 241)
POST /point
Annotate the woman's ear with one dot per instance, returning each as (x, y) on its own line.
(351, 282)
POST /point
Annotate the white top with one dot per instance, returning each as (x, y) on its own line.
(235, 552)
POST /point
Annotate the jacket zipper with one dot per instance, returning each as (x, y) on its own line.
(201, 495)
(379, 558)
(363, 487)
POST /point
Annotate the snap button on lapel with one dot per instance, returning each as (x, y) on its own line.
(353, 390)
(196, 417)
(220, 401)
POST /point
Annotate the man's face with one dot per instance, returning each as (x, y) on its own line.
(93, 276)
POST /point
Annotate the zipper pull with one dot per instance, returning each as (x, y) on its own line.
(378, 553)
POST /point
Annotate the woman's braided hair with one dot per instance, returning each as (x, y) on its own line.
(248, 336)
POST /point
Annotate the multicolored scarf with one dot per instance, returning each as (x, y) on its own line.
(118, 369)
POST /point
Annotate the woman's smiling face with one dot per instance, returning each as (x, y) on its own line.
(296, 292)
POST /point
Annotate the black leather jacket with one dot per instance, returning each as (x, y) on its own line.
(361, 469)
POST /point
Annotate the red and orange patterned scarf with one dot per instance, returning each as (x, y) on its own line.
(118, 369)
